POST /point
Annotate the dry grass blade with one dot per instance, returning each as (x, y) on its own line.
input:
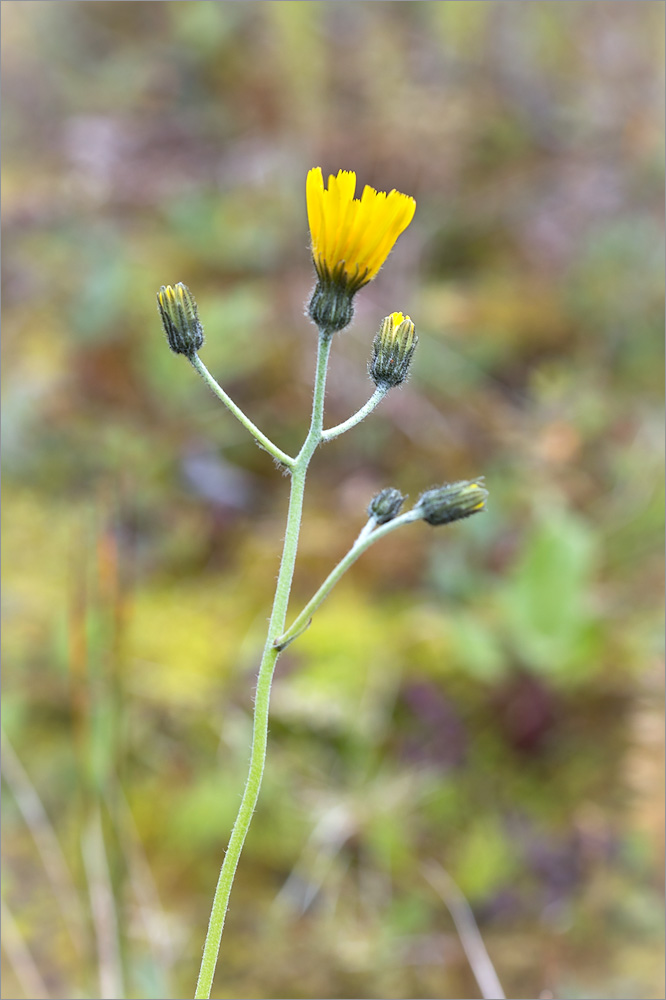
(470, 937)
(36, 819)
(157, 927)
(21, 960)
(103, 909)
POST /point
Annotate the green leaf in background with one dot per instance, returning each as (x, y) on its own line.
(476, 647)
(485, 858)
(546, 599)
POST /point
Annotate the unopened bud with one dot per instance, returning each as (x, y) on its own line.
(386, 505)
(180, 319)
(453, 501)
(392, 351)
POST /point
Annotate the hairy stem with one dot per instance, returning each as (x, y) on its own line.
(241, 826)
(265, 442)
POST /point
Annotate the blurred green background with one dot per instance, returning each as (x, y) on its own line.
(487, 697)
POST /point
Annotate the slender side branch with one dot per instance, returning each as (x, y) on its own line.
(360, 415)
(265, 442)
(366, 538)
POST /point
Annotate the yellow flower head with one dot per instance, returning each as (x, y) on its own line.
(351, 239)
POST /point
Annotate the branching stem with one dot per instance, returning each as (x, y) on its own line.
(368, 536)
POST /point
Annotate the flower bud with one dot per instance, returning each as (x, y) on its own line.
(392, 351)
(180, 320)
(386, 505)
(453, 501)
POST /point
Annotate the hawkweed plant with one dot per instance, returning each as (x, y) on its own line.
(351, 239)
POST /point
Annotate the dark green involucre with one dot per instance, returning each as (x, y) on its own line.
(331, 306)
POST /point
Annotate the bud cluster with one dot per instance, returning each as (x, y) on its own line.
(392, 351)
(180, 319)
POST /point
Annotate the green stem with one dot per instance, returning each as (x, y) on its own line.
(360, 415)
(367, 537)
(265, 442)
(264, 679)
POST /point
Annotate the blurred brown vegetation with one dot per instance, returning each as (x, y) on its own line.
(487, 697)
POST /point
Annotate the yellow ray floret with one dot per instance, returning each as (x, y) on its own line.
(351, 237)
